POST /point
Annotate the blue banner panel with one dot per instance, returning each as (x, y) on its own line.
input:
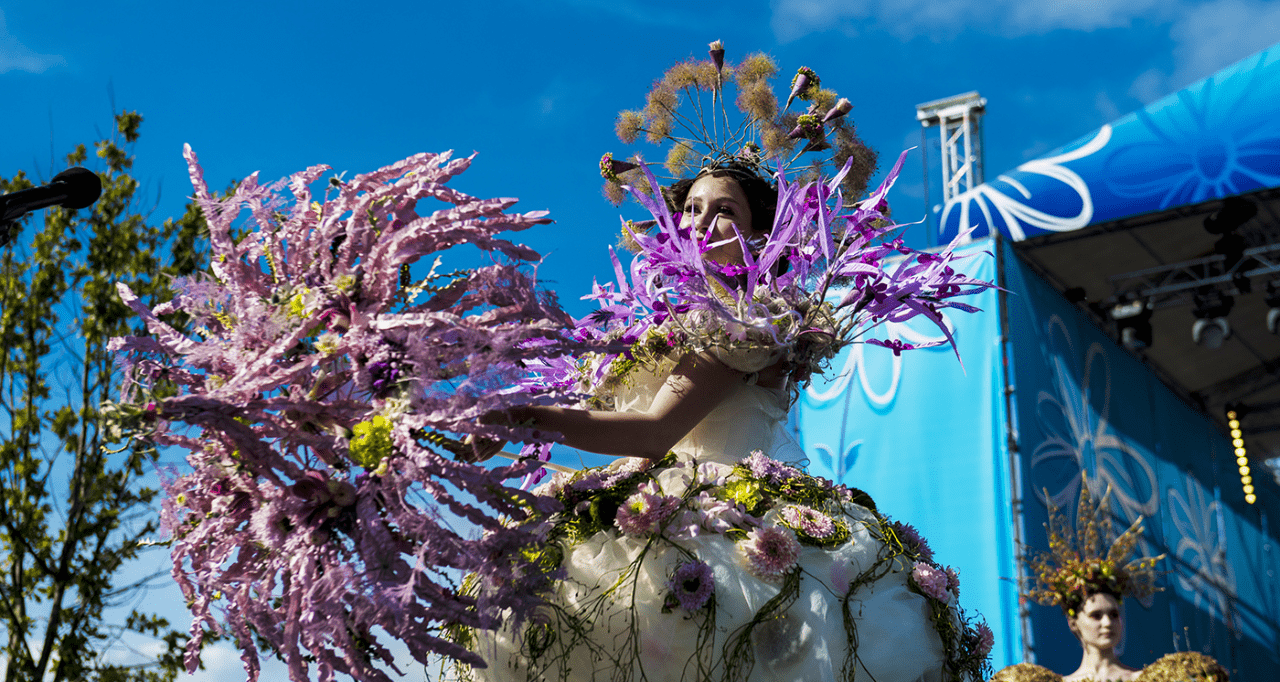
(1219, 137)
(1083, 404)
(926, 439)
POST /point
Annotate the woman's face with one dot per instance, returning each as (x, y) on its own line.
(715, 205)
(1098, 622)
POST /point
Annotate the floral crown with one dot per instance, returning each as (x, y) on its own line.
(1079, 564)
(759, 138)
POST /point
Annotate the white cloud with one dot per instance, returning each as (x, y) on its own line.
(1207, 35)
(1217, 34)
(1149, 86)
(1106, 106)
(1207, 38)
(14, 56)
(939, 19)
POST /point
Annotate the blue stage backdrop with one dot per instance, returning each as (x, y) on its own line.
(1084, 404)
(1219, 137)
(925, 438)
(930, 443)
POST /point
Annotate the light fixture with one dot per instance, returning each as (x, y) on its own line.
(1211, 329)
(1234, 212)
(1133, 321)
(1234, 413)
(1273, 304)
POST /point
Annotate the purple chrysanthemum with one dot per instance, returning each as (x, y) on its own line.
(953, 581)
(912, 540)
(644, 512)
(771, 552)
(598, 480)
(769, 469)
(931, 581)
(692, 585)
(809, 521)
(984, 638)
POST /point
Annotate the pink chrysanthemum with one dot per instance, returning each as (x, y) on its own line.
(644, 512)
(692, 585)
(808, 521)
(771, 552)
(912, 540)
(931, 581)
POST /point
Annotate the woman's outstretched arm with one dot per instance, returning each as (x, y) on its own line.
(695, 387)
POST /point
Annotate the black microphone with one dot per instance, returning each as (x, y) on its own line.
(72, 188)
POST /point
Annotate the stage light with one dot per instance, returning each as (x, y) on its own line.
(1273, 303)
(1234, 212)
(1211, 328)
(1133, 322)
(1242, 459)
(1211, 333)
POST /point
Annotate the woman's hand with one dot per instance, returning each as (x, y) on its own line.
(481, 448)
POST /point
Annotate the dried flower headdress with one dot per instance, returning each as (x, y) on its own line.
(820, 279)
(1079, 563)
(687, 109)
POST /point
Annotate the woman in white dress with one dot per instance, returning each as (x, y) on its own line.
(705, 552)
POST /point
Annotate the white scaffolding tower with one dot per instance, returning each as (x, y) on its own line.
(959, 121)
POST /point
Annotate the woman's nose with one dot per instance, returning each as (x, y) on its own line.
(702, 220)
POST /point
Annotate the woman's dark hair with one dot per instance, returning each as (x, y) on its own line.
(1071, 606)
(762, 196)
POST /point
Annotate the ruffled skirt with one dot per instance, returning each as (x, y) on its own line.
(713, 572)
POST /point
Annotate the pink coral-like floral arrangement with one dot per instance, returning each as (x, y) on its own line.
(323, 396)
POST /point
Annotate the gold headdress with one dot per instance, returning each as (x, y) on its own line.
(702, 133)
(1076, 566)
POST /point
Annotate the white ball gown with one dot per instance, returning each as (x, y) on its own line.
(726, 562)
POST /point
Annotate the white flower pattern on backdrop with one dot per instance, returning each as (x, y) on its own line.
(837, 462)
(1200, 554)
(855, 364)
(987, 201)
(1078, 435)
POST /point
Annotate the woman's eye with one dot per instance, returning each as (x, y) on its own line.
(726, 210)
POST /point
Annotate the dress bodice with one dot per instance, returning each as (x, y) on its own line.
(751, 418)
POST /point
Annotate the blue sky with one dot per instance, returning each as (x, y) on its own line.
(534, 88)
(278, 86)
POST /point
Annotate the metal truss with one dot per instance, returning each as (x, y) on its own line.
(959, 121)
(1171, 285)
